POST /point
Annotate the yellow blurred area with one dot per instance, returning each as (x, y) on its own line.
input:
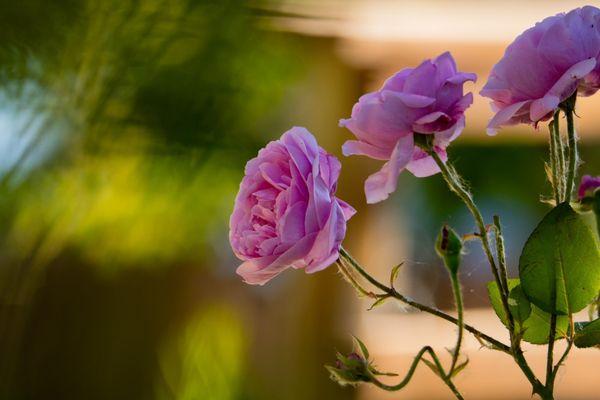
(123, 209)
(206, 359)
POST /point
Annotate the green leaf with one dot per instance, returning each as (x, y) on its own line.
(460, 367)
(579, 326)
(530, 321)
(432, 366)
(362, 347)
(518, 304)
(560, 263)
(394, 274)
(378, 302)
(587, 334)
(537, 326)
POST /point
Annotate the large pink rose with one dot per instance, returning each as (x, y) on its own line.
(427, 99)
(544, 66)
(286, 213)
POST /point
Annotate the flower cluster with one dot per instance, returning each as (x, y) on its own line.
(286, 213)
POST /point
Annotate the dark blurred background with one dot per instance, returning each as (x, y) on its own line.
(124, 129)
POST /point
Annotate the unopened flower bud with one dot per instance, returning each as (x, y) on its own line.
(349, 370)
(448, 246)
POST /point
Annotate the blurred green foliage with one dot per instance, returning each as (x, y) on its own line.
(205, 360)
(123, 210)
(126, 126)
(145, 106)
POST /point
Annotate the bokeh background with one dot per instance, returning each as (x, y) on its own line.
(124, 129)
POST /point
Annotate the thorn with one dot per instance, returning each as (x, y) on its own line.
(470, 236)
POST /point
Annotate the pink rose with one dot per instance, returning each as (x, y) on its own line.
(286, 213)
(588, 186)
(544, 66)
(429, 100)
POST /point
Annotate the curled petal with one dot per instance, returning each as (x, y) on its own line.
(445, 65)
(355, 147)
(379, 185)
(431, 123)
(462, 77)
(432, 117)
(423, 165)
(504, 116)
(302, 147)
(567, 84)
(540, 108)
(378, 122)
(326, 246)
(347, 209)
(259, 271)
(409, 99)
(443, 139)
(291, 224)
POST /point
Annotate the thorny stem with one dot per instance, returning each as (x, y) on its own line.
(559, 157)
(514, 349)
(550, 355)
(362, 271)
(501, 253)
(413, 367)
(353, 282)
(563, 189)
(447, 378)
(570, 341)
(391, 292)
(456, 186)
(496, 344)
(562, 167)
(569, 107)
(556, 178)
(461, 324)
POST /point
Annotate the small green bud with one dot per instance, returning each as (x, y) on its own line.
(448, 246)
